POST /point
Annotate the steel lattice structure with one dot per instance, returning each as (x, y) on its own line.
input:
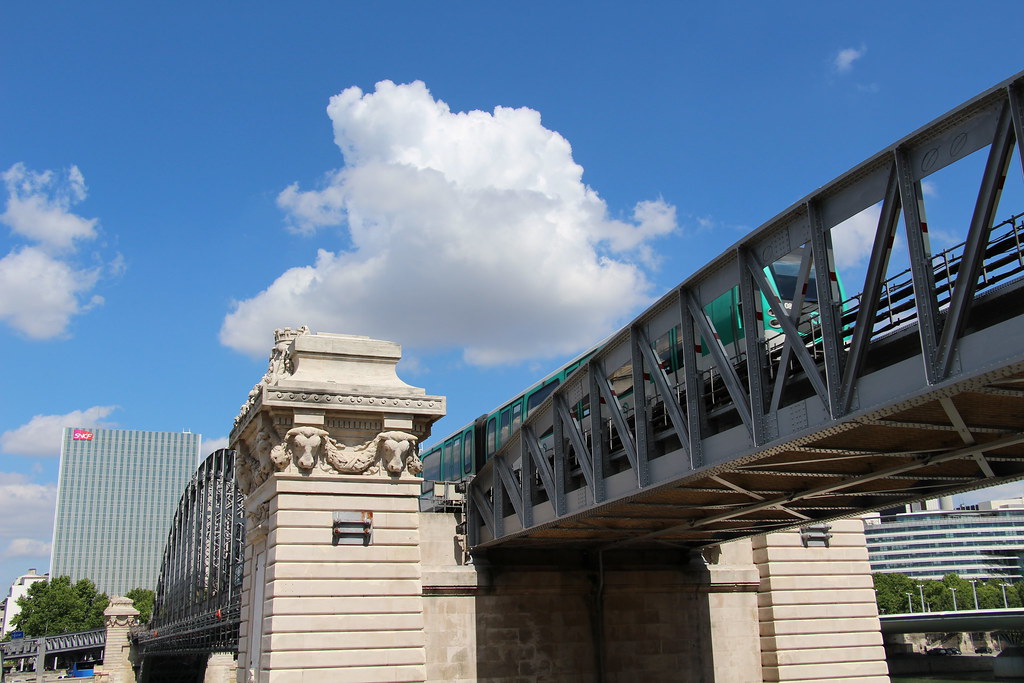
(912, 389)
(28, 648)
(197, 597)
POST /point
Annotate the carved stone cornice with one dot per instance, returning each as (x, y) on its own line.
(328, 405)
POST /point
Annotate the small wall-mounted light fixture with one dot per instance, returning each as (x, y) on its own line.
(816, 536)
(352, 527)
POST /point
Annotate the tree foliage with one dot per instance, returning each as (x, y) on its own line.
(143, 598)
(59, 606)
(898, 593)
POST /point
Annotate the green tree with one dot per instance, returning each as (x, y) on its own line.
(891, 593)
(59, 606)
(143, 598)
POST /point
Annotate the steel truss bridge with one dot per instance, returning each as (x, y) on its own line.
(199, 591)
(81, 641)
(914, 388)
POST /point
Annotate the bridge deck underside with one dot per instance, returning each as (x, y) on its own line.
(957, 439)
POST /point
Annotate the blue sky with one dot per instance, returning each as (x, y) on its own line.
(525, 177)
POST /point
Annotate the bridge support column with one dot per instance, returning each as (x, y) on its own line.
(562, 616)
(221, 667)
(818, 615)
(326, 451)
(119, 616)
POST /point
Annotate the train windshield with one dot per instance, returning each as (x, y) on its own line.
(785, 272)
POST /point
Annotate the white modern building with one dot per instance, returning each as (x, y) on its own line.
(18, 589)
(931, 540)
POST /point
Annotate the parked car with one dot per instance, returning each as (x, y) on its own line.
(983, 650)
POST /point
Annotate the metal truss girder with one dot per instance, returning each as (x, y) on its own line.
(512, 487)
(598, 444)
(753, 322)
(725, 368)
(794, 341)
(875, 374)
(828, 306)
(611, 402)
(576, 438)
(486, 511)
(641, 422)
(912, 201)
(664, 391)
(977, 238)
(845, 483)
(881, 251)
(535, 454)
(695, 413)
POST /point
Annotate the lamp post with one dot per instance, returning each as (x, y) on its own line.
(954, 598)
(910, 604)
(974, 587)
(1005, 603)
(920, 589)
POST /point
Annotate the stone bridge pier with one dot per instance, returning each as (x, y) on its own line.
(345, 580)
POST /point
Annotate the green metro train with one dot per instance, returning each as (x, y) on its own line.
(462, 453)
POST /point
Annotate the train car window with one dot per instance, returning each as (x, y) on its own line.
(785, 272)
(432, 465)
(467, 452)
(506, 426)
(537, 397)
(492, 433)
(448, 468)
(517, 415)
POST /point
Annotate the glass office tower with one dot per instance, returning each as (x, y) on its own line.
(116, 496)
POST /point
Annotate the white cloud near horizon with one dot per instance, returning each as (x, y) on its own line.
(844, 59)
(853, 238)
(26, 514)
(215, 444)
(41, 436)
(27, 547)
(471, 230)
(41, 288)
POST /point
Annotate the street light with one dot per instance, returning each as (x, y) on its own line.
(954, 598)
(974, 587)
(1005, 603)
(920, 588)
(910, 604)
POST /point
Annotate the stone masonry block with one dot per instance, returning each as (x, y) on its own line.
(827, 655)
(348, 623)
(813, 597)
(349, 587)
(344, 605)
(328, 571)
(819, 611)
(798, 626)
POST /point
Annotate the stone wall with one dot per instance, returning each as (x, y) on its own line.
(531, 622)
(817, 610)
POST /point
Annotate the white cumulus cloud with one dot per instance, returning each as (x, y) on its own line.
(853, 238)
(38, 207)
(41, 286)
(845, 58)
(470, 229)
(212, 445)
(27, 547)
(39, 294)
(26, 509)
(41, 436)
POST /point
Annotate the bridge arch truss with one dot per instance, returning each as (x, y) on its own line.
(199, 591)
